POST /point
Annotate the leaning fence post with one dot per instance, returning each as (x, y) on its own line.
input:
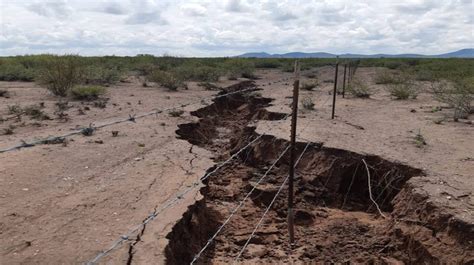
(294, 116)
(335, 90)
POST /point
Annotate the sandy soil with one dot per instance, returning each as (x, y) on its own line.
(65, 204)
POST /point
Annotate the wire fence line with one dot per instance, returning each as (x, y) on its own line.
(196, 257)
(179, 196)
(267, 209)
(131, 118)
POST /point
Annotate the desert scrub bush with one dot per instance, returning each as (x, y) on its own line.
(358, 89)
(35, 112)
(419, 140)
(307, 103)
(60, 73)
(166, 79)
(384, 76)
(15, 72)
(403, 88)
(458, 95)
(98, 75)
(87, 92)
(197, 73)
(267, 63)
(236, 68)
(393, 64)
(308, 86)
(425, 75)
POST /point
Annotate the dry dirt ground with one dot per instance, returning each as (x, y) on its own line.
(65, 203)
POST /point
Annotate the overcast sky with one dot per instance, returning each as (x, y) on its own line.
(231, 27)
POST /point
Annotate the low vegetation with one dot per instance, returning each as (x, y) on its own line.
(384, 76)
(87, 92)
(307, 103)
(60, 73)
(359, 89)
(404, 88)
(166, 79)
(458, 95)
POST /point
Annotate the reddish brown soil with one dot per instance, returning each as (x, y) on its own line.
(64, 204)
(335, 220)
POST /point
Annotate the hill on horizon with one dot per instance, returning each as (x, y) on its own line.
(464, 53)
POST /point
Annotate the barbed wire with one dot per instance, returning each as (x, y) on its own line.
(171, 202)
(268, 208)
(131, 118)
(196, 257)
(248, 194)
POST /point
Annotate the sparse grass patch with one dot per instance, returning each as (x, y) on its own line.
(458, 95)
(359, 89)
(176, 113)
(166, 79)
(9, 130)
(307, 103)
(87, 92)
(419, 140)
(240, 68)
(385, 77)
(403, 89)
(35, 112)
(14, 109)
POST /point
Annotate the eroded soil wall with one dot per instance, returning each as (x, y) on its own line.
(336, 221)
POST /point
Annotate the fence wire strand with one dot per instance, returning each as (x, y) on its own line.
(268, 208)
(131, 118)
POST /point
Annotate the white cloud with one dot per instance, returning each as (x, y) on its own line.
(224, 28)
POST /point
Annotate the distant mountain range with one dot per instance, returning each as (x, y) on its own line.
(464, 53)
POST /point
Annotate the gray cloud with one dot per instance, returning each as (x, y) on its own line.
(57, 9)
(236, 6)
(114, 8)
(145, 18)
(217, 28)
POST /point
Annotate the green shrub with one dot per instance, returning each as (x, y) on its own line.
(359, 89)
(166, 79)
(87, 92)
(458, 95)
(60, 74)
(239, 68)
(98, 75)
(267, 63)
(15, 72)
(393, 65)
(425, 75)
(384, 77)
(404, 89)
(197, 73)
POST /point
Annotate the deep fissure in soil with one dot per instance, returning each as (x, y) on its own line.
(335, 219)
